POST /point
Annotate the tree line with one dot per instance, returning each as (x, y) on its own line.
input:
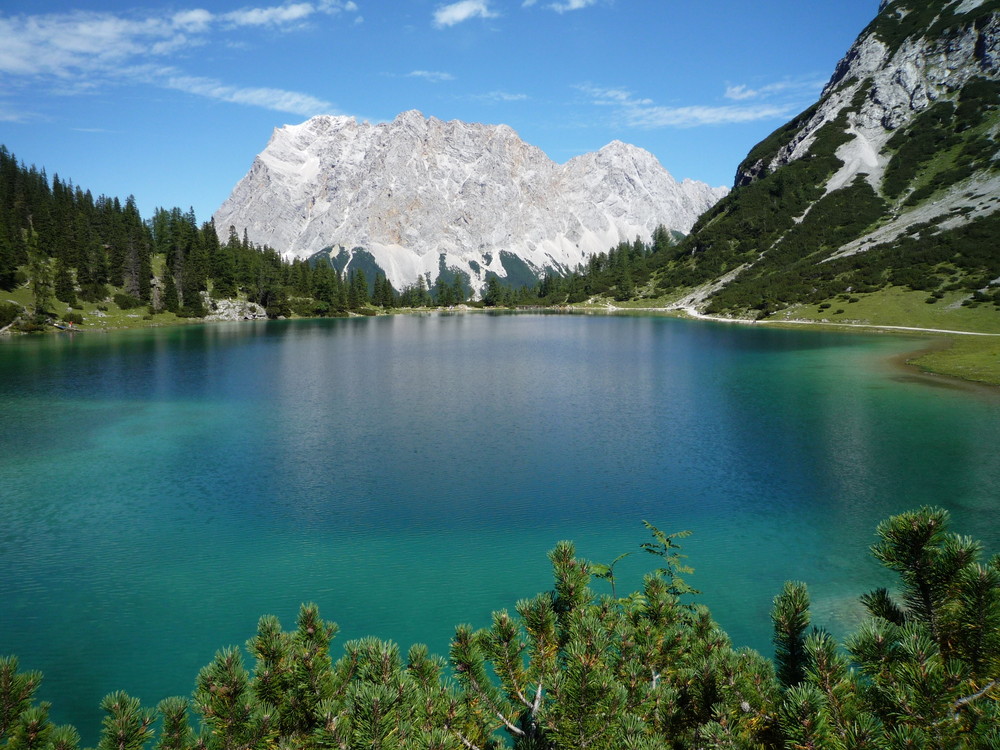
(571, 668)
(623, 272)
(72, 247)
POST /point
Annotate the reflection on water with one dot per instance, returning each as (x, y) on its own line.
(162, 489)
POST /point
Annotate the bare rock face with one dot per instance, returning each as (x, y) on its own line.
(421, 194)
(232, 309)
(897, 81)
(901, 151)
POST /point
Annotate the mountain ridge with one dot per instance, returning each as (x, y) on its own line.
(868, 188)
(421, 193)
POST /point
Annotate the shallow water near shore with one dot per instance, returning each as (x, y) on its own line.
(162, 489)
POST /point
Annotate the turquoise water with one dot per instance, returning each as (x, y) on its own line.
(163, 489)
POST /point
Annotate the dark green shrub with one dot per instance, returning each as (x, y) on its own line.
(31, 326)
(191, 311)
(930, 133)
(8, 313)
(93, 292)
(127, 301)
(73, 317)
(978, 95)
(303, 308)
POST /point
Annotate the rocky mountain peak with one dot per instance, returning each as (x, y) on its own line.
(900, 151)
(424, 196)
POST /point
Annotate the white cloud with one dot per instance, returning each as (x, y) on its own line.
(65, 44)
(274, 16)
(644, 113)
(571, 5)
(335, 6)
(62, 45)
(562, 7)
(742, 92)
(502, 96)
(194, 21)
(276, 99)
(433, 76)
(81, 50)
(7, 115)
(621, 97)
(286, 14)
(449, 15)
(690, 117)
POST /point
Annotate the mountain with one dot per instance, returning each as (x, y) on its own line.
(422, 196)
(890, 181)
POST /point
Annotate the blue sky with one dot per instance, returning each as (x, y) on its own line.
(171, 101)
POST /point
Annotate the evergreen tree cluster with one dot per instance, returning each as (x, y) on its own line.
(73, 248)
(623, 272)
(574, 669)
(79, 244)
(68, 246)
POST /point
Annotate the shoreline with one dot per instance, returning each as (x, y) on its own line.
(942, 340)
(941, 376)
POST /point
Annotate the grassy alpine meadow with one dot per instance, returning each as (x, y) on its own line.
(974, 358)
(97, 316)
(895, 306)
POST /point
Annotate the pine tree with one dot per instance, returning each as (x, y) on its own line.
(624, 285)
(225, 273)
(176, 732)
(458, 294)
(358, 289)
(32, 730)
(8, 261)
(790, 616)
(925, 668)
(378, 294)
(421, 297)
(17, 690)
(170, 300)
(496, 294)
(224, 698)
(443, 292)
(934, 659)
(40, 271)
(127, 725)
(294, 672)
(573, 669)
(64, 287)
(137, 264)
(95, 271)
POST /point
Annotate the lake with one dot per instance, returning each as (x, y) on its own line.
(162, 489)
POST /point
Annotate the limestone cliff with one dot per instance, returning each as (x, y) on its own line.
(902, 145)
(420, 195)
